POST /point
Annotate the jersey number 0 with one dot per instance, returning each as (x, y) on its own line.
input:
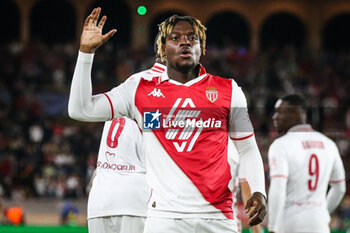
(114, 134)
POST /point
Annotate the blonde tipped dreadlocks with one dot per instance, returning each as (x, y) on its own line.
(167, 26)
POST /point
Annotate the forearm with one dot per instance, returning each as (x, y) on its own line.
(335, 195)
(82, 105)
(251, 164)
(277, 197)
(245, 192)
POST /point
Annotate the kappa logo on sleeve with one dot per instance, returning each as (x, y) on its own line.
(151, 120)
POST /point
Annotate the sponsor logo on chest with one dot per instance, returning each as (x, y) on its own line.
(182, 123)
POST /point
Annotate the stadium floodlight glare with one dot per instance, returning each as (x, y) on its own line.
(141, 10)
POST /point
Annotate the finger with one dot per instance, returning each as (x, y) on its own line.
(89, 19)
(102, 22)
(108, 35)
(252, 212)
(248, 205)
(256, 219)
(256, 208)
(251, 206)
(97, 12)
(253, 217)
(262, 214)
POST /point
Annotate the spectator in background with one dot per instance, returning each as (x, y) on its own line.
(69, 214)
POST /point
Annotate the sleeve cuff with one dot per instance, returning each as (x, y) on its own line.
(85, 57)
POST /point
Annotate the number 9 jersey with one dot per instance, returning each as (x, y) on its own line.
(308, 161)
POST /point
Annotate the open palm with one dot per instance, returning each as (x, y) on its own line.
(92, 37)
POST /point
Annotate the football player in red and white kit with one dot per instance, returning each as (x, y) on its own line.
(119, 193)
(187, 116)
(302, 164)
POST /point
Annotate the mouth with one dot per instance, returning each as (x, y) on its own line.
(185, 53)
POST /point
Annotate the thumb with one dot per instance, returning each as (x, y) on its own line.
(248, 205)
(108, 35)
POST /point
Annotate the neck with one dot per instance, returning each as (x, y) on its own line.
(181, 76)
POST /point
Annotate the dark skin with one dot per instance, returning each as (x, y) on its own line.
(182, 50)
(287, 116)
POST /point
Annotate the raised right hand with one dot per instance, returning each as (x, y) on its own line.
(92, 37)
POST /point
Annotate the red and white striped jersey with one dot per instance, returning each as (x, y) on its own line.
(187, 163)
(186, 131)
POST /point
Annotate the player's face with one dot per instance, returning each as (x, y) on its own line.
(285, 116)
(182, 47)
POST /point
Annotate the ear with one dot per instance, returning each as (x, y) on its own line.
(163, 51)
(297, 115)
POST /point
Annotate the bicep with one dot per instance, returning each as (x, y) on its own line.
(240, 125)
(121, 99)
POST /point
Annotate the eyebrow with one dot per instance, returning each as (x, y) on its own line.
(189, 33)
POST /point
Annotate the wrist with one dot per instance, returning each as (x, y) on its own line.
(260, 194)
(86, 49)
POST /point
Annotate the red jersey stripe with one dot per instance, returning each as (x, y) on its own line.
(158, 71)
(158, 68)
(110, 103)
(237, 139)
(279, 176)
(336, 181)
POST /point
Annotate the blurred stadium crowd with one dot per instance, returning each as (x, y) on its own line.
(44, 154)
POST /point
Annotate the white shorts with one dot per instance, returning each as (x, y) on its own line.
(189, 225)
(116, 224)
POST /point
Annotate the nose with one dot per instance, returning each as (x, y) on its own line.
(185, 41)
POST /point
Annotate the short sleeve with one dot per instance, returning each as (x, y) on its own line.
(240, 126)
(278, 162)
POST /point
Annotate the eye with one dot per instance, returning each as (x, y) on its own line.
(174, 38)
(194, 37)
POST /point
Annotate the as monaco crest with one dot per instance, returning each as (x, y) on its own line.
(212, 94)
